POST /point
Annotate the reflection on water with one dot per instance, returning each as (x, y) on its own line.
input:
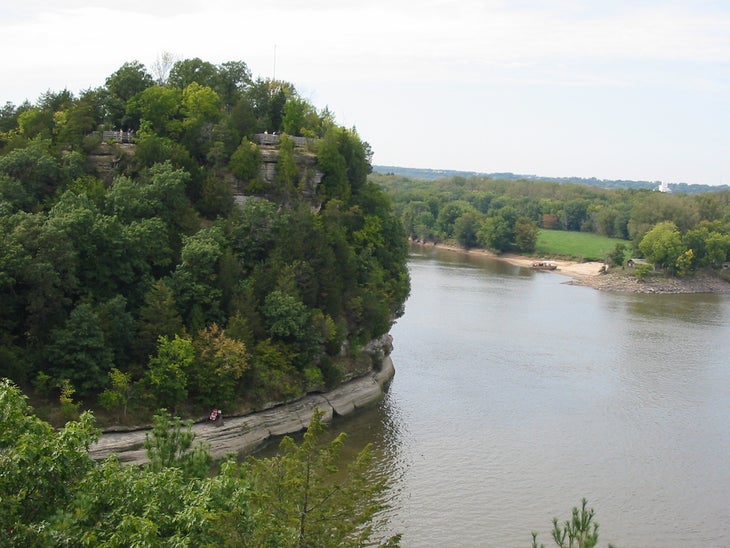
(694, 310)
(516, 395)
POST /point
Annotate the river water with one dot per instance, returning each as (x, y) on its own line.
(517, 394)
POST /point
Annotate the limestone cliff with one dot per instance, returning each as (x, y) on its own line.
(246, 433)
(304, 157)
(105, 158)
(108, 157)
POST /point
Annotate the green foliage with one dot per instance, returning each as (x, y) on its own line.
(308, 501)
(584, 214)
(69, 407)
(466, 228)
(300, 118)
(128, 81)
(272, 373)
(498, 231)
(199, 110)
(449, 214)
(78, 351)
(418, 220)
(617, 257)
(657, 208)
(96, 266)
(158, 317)
(116, 397)
(662, 245)
(103, 276)
(641, 271)
(170, 445)
(37, 171)
(53, 494)
(333, 166)
(186, 72)
(286, 315)
(709, 243)
(684, 262)
(578, 532)
(526, 234)
(220, 363)
(245, 161)
(40, 468)
(159, 108)
(286, 168)
(166, 376)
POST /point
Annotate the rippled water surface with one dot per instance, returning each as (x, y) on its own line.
(517, 394)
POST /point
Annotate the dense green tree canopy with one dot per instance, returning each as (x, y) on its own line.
(127, 270)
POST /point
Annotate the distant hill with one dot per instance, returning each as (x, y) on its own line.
(433, 174)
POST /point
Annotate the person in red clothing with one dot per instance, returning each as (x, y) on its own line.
(216, 417)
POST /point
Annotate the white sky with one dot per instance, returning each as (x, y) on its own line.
(609, 89)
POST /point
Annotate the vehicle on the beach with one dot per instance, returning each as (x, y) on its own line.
(544, 265)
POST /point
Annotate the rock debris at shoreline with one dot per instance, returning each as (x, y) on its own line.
(625, 282)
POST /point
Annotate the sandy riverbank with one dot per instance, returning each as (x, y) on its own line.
(567, 268)
(618, 279)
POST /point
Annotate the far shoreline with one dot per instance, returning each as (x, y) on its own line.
(593, 274)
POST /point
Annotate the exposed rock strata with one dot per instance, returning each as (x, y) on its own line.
(245, 434)
(106, 157)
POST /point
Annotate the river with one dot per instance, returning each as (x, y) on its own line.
(517, 394)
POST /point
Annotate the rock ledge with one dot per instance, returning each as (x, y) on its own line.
(247, 433)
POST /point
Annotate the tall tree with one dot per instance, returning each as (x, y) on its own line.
(188, 71)
(79, 353)
(662, 245)
(166, 377)
(158, 317)
(220, 363)
(466, 228)
(309, 503)
(159, 107)
(233, 78)
(126, 82)
(161, 67)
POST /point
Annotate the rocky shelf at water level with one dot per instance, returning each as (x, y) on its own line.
(246, 433)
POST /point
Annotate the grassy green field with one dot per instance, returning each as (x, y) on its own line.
(583, 245)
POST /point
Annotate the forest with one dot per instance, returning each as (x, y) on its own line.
(679, 233)
(160, 257)
(149, 261)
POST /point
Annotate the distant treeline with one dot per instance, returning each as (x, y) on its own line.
(433, 174)
(679, 232)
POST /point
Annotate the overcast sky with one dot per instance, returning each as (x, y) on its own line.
(608, 89)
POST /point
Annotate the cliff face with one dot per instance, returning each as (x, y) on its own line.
(105, 158)
(304, 158)
(309, 176)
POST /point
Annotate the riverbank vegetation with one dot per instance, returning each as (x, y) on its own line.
(188, 240)
(679, 233)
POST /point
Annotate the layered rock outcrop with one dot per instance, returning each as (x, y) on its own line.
(245, 434)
